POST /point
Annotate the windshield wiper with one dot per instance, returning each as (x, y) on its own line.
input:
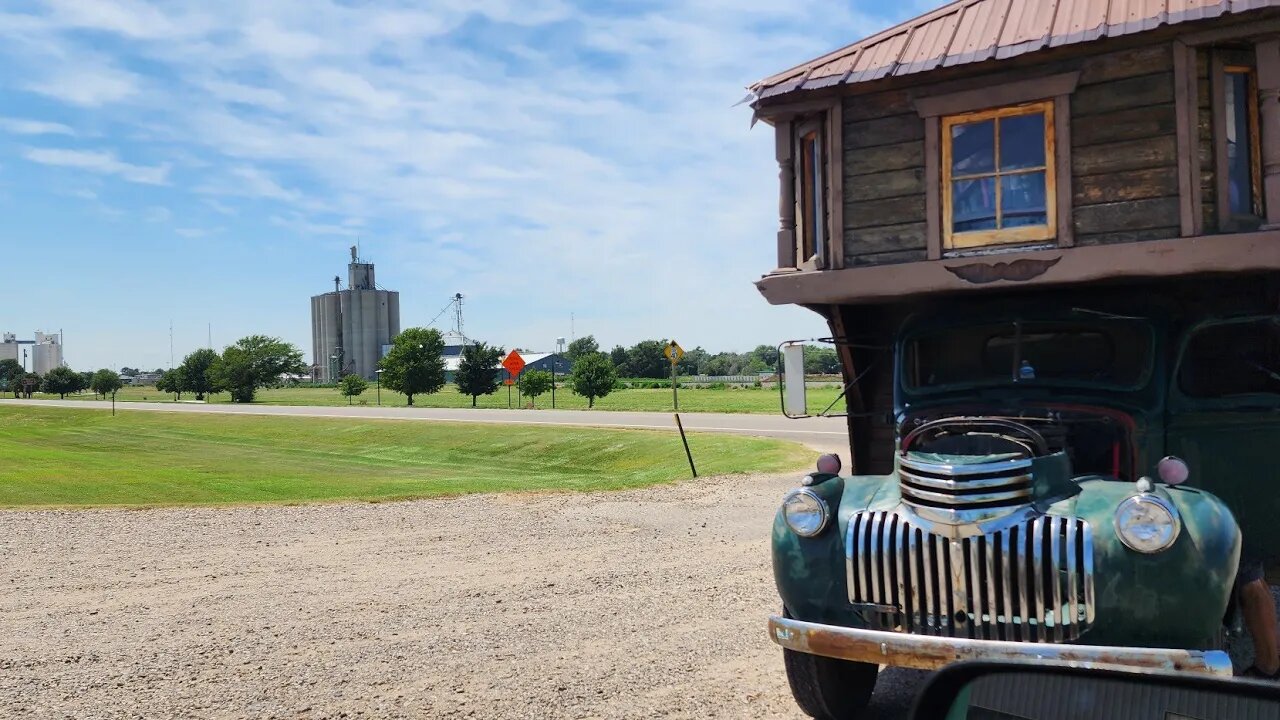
(1106, 315)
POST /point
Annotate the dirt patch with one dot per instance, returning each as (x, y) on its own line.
(611, 605)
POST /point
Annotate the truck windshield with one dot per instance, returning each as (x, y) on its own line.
(1114, 354)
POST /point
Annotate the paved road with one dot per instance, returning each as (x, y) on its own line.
(827, 434)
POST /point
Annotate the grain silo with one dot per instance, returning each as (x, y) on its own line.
(350, 327)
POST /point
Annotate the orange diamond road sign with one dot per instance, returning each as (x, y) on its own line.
(513, 363)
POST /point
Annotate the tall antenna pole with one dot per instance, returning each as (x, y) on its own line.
(457, 311)
(572, 335)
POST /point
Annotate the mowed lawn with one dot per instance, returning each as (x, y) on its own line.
(72, 457)
(726, 400)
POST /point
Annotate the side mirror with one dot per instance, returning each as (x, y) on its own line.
(1024, 691)
(795, 403)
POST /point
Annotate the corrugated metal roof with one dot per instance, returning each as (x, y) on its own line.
(970, 31)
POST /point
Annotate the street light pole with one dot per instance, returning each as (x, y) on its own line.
(555, 363)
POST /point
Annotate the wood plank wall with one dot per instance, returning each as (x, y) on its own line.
(1124, 157)
(1204, 115)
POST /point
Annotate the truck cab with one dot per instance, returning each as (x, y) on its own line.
(1049, 258)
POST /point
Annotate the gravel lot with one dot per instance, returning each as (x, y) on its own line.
(615, 605)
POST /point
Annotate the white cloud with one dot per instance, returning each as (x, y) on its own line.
(491, 144)
(99, 162)
(88, 86)
(196, 233)
(23, 126)
(157, 214)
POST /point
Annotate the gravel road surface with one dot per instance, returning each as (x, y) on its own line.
(635, 604)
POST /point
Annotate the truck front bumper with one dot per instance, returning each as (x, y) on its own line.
(928, 652)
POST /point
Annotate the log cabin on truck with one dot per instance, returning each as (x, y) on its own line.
(1001, 145)
(1045, 235)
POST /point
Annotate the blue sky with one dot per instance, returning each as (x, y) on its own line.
(201, 163)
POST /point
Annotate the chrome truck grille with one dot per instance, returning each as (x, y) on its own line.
(1032, 582)
(991, 485)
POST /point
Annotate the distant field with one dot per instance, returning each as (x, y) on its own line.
(727, 400)
(60, 457)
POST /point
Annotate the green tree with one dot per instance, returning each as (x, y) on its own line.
(820, 360)
(477, 371)
(105, 382)
(352, 385)
(86, 380)
(254, 362)
(582, 346)
(195, 373)
(766, 354)
(28, 382)
(60, 381)
(618, 356)
(533, 383)
(593, 377)
(11, 373)
(170, 381)
(415, 365)
(692, 361)
(645, 359)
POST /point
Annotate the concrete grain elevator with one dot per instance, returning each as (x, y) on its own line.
(350, 327)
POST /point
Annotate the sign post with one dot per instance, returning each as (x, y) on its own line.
(674, 352)
(513, 364)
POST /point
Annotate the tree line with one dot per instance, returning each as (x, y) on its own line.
(645, 359)
(59, 381)
(414, 366)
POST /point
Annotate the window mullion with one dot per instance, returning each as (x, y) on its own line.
(995, 162)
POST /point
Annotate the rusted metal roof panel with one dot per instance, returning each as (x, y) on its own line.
(1076, 22)
(1028, 27)
(880, 59)
(928, 44)
(978, 32)
(970, 31)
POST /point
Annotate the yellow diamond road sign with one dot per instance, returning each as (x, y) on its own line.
(673, 352)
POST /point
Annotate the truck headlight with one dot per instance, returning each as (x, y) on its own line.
(1147, 523)
(805, 513)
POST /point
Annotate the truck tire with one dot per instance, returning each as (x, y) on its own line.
(829, 689)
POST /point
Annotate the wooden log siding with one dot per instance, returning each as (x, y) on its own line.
(1204, 106)
(884, 180)
(1123, 145)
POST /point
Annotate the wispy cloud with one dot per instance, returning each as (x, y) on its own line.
(98, 162)
(87, 86)
(23, 126)
(489, 144)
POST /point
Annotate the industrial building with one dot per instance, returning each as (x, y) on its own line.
(9, 347)
(47, 352)
(350, 328)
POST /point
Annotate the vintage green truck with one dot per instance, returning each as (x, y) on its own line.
(1049, 257)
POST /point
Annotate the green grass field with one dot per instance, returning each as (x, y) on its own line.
(727, 400)
(68, 457)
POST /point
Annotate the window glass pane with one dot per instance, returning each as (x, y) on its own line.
(1022, 142)
(1022, 200)
(1233, 359)
(1114, 353)
(973, 204)
(817, 221)
(973, 148)
(1239, 146)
